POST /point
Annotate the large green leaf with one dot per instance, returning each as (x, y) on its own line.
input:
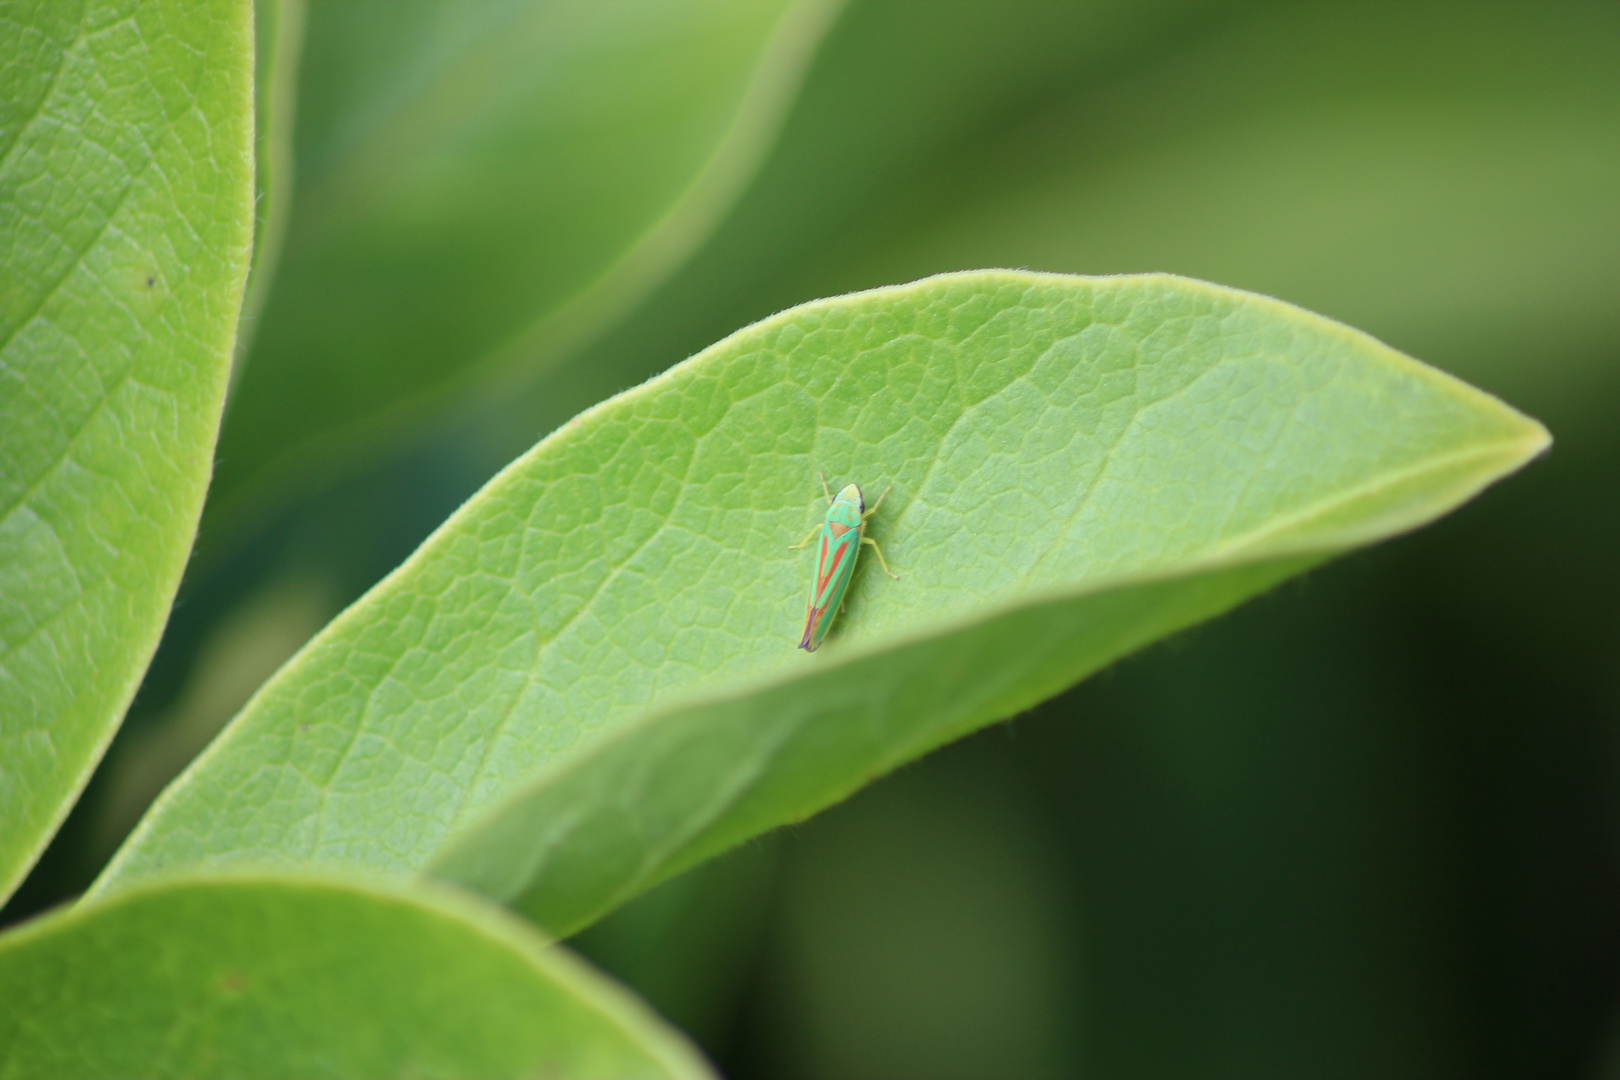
(480, 188)
(126, 202)
(277, 977)
(1079, 465)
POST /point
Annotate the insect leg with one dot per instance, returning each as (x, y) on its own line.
(881, 560)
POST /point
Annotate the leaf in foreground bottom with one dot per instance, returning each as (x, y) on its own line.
(277, 977)
(1136, 453)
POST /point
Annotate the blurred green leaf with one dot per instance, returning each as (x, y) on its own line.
(1452, 200)
(890, 103)
(126, 202)
(482, 187)
(1458, 200)
(278, 38)
(276, 977)
(1079, 466)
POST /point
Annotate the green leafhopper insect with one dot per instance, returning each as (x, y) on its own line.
(842, 533)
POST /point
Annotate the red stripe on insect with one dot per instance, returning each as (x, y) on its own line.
(824, 564)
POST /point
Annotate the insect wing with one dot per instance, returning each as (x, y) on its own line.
(835, 564)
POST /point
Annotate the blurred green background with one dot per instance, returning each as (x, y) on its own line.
(1365, 826)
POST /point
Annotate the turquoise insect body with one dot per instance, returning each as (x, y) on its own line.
(841, 535)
